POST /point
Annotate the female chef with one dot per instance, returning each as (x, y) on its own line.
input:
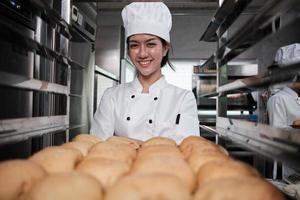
(148, 106)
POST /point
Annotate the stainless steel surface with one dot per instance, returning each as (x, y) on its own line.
(66, 10)
(15, 60)
(276, 75)
(242, 68)
(209, 129)
(223, 19)
(109, 48)
(17, 81)
(281, 145)
(81, 92)
(23, 128)
(102, 81)
(44, 88)
(84, 22)
(256, 28)
(106, 73)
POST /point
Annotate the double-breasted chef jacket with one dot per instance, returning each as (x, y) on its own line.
(284, 108)
(166, 111)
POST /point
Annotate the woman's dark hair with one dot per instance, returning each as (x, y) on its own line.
(165, 60)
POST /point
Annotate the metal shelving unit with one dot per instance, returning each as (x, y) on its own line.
(277, 144)
(48, 82)
(47, 89)
(265, 141)
(257, 28)
(223, 18)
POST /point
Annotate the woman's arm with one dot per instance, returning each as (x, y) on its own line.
(103, 121)
(187, 123)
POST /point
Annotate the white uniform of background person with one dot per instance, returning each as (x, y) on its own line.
(284, 106)
(164, 110)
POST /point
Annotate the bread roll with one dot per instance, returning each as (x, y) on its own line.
(197, 160)
(17, 177)
(82, 146)
(153, 186)
(57, 159)
(63, 186)
(201, 147)
(188, 140)
(106, 171)
(224, 169)
(123, 140)
(107, 150)
(296, 123)
(168, 165)
(159, 141)
(160, 150)
(243, 188)
(87, 137)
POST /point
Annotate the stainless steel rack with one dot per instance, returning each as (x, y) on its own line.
(255, 29)
(223, 19)
(50, 95)
(268, 142)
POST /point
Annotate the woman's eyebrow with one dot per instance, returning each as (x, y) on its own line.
(148, 40)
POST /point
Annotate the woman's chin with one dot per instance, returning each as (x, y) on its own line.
(145, 73)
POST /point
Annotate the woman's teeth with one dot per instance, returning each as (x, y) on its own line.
(145, 62)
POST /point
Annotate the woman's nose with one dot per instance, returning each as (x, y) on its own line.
(143, 51)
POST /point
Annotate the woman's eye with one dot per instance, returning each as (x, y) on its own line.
(132, 46)
(151, 44)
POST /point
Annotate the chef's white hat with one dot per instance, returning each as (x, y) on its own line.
(288, 54)
(147, 17)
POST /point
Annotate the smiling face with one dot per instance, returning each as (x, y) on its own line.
(146, 52)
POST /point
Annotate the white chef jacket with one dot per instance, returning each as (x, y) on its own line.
(284, 108)
(166, 111)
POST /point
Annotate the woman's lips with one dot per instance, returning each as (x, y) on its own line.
(144, 63)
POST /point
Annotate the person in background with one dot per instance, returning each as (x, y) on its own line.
(284, 106)
(148, 106)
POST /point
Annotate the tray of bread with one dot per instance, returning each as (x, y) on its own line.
(119, 168)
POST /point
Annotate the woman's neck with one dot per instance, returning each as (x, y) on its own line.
(147, 81)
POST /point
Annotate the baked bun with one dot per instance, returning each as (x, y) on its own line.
(191, 139)
(197, 159)
(124, 140)
(224, 169)
(152, 186)
(82, 146)
(17, 177)
(63, 186)
(243, 188)
(122, 152)
(160, 150)
(107, 171)
(159, 141)
(296, 123)
(168, 165)
(57, 159)
(87, 137)
(201, 147)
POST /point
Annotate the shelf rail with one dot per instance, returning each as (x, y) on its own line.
(13, 130)
(17, 81)
(223, 19)
(278, 144)
(257, 28)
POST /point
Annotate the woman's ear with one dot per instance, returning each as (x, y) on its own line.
(166, 49)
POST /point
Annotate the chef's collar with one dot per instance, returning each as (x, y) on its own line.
(290, 92)
(155, 87)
